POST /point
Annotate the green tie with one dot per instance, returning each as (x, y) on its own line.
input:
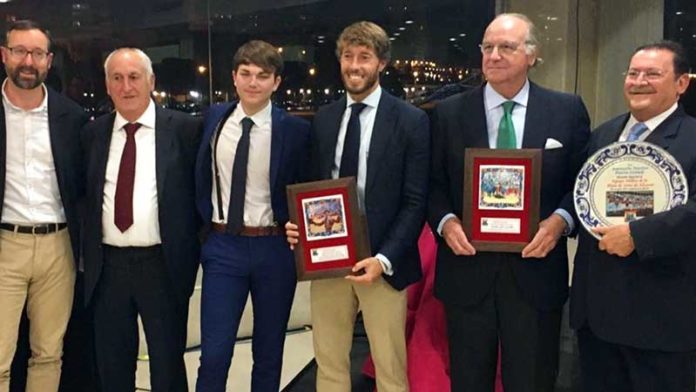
(506, 130)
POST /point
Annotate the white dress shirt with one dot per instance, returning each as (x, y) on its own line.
(32, 195)
(494, 112)
(651, 124)
(257, 196)
(367, 124)
(145, 229)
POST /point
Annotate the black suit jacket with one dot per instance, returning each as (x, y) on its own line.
(176, 141)
(460, 122)
(648, 299)
(65, 119)
(397, 178)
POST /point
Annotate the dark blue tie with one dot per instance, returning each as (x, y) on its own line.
(235, 216)
(351, 143)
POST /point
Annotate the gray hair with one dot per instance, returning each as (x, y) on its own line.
(144, 59)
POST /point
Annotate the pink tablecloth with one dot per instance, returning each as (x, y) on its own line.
(426, 334)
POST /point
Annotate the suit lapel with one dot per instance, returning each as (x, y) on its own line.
(382, 130)
(56, 132)
(475, 121)
(535, 125)
(277, 139)
(667, 130)
(100, 153)
(164, 148)
(334, 116)
(616, 129)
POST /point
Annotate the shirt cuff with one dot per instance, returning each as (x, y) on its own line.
(570, 224)
(442, 222)
(386, 264)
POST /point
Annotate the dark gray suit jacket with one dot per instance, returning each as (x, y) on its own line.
(176, 142)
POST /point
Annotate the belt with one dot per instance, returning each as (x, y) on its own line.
(251, 231)
(45, 228)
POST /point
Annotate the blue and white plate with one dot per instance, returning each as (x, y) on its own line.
(627, 181)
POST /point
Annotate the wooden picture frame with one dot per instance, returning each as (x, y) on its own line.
(501, 198)
(333, 230)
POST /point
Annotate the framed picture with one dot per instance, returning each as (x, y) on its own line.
(333, 231)
(501, 198)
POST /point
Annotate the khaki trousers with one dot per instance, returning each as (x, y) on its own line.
(38, 270)
(335, 303)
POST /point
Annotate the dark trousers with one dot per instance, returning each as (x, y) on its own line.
(233, 267)
(609, 367)
(528, 341)
(79, 371)
(134, 281)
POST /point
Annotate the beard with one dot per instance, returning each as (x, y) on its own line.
(27, 84)
(369, 82)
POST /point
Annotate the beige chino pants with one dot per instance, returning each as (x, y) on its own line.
(39, 270)
(335, 303)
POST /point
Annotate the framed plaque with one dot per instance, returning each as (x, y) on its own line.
(626, 181)
(333, 231)
(501, 198)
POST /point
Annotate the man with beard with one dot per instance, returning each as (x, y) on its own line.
(495, 299)
(634, 291)
(40, 184)
(383, 142)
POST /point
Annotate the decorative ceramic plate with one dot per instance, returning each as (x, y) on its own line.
(626, 181)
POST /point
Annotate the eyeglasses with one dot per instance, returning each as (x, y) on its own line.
(505, 49)
(648, 74)
(20, 52)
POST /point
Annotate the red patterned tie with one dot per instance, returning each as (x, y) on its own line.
(123, 201)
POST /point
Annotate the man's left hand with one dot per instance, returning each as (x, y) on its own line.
(616, 240)
(372, 269)
(545, 239)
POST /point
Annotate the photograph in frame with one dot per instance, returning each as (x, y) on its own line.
(501, 187)
(333, 230)
(500, 211)
(324, 217)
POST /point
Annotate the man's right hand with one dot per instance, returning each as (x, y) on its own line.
(292, 234)
(454, 235)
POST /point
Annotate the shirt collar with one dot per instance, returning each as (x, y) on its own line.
(42, 107)
(493, 99)
(655, 121)
(147, 119)
(260, 118)
(371, 100)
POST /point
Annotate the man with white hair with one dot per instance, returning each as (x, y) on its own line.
(140, 238)
(496, 299)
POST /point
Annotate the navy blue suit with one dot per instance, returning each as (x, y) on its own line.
(643, 303)
(467, 285)
(396, 184)
(236, 265)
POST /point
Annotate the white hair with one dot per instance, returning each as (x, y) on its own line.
(146, 62)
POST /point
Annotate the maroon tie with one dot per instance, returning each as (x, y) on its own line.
(123, 201)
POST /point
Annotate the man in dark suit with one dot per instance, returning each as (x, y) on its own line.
(633, 298)
(384, 142)
(41, 180)
(140, 234)
(251, 150)
(501, 299)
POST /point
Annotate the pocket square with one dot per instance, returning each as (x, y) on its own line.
(552, 143)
